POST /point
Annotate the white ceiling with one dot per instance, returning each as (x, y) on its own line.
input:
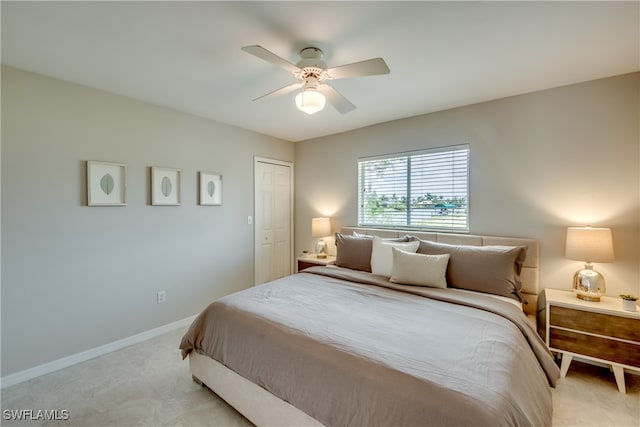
(186, 55)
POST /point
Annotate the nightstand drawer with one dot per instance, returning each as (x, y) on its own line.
(305, 262)
(596, 323)
(601, 348)
(302, 265)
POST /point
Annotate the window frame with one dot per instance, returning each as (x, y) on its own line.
(411, 212)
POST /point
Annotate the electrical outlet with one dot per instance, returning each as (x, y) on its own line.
(162, 297)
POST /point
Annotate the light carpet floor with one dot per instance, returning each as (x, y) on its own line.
(148, 384)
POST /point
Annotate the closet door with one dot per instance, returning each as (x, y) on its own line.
(273, 219)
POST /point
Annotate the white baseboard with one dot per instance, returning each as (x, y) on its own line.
(83, 356)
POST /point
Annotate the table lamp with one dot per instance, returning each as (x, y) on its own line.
(321, 227)
(589, 244)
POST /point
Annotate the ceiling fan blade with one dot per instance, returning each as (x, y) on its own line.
(282, 91)
(335, 98)
(370, 67)
(271, 57)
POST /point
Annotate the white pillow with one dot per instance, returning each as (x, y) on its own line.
(382, 257)
(419, 269)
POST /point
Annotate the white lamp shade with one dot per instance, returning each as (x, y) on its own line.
(589, 244)
(310, 101)
(320, 227)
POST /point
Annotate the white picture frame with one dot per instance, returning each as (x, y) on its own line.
(165, 186)
(106, 183)
(210, 189)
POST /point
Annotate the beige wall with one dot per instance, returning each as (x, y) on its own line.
(77, 277)
(539, 162)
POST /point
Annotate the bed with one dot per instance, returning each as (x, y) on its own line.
(341, 345)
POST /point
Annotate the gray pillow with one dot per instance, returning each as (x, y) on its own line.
(353, 252)
(490, 269)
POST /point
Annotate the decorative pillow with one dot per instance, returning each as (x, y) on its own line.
(419, 269)
(490, 269)
(382, 257)
(354, 252)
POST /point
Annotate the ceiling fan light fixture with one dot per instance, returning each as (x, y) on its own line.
(310, 101)
(312, 74)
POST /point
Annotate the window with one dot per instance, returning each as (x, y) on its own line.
(426, 189)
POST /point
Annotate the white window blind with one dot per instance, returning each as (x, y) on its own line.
(426, 189)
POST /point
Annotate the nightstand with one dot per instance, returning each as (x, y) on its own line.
(313, 261)
(597, 331)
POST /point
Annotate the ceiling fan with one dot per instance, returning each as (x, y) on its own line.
(313, 76)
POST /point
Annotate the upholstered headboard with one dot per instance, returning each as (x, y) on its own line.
(529, 274)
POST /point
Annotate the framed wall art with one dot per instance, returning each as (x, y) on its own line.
(165, 186)
(106, 184)
(210, 189)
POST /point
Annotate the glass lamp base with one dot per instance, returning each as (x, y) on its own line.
(588, 284)
(321, 249)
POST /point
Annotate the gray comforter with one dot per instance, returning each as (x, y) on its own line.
(350, 348)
